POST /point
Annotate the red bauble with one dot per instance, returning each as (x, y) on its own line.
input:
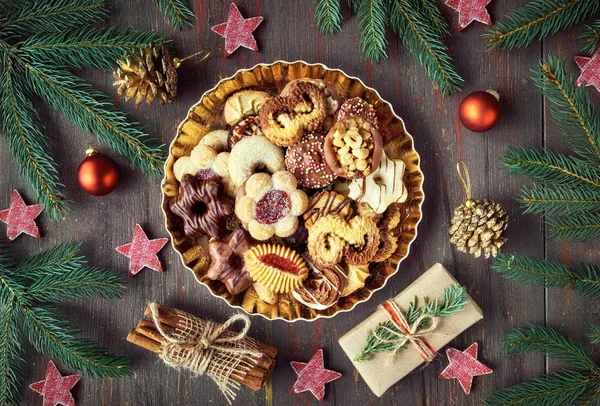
(98, 175)
(480, 111)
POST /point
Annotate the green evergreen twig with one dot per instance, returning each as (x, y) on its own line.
(178, 12)
(556, 202)
(383, 339)
(594, 334)
(591, 36)
(566, 387)
(546, 273)
(328, 14)
(372, 23)
(576, 226)
(538, 19)
(26, 289)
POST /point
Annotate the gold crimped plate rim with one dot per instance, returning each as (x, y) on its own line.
(417, 207)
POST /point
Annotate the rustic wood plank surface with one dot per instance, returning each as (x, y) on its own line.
(288, 32)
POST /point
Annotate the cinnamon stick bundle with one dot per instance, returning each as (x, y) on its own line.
(174, 335)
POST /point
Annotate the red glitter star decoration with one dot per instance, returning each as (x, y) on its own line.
(237, 31)
(464, 366)
(312, 376)
(142, 252)
(590, 71)
(20, 218)
(469, 11)
(56, 389)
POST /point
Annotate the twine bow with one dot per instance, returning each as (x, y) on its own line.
(197, 349)
(405, 332)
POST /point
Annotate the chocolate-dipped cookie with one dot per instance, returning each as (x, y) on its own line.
(227, 263)
(306, 160)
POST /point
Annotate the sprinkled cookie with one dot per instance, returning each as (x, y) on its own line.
(271, 204)
(382, 187)
(324, 203)
(242, 104)
(306, 160)
(357, 107)
(277, 268)
(251, 154)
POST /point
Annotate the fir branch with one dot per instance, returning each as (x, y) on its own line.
(21, 17)
(21, 126)
(178, 13)
(555, 389)
(591, 36)
(12, 363)
(594, 334)
(577, 226)
(385, 338)
(372, 23)
(572, 108)
(354, 5)
(545, 273)
(434, 17)
(426, 44)
(559, 201)
(329, 15)
(89, 109)
(546, 340)
(55, 261)
(85, 47)
(538, 19)
(546, 165)
(52, 335)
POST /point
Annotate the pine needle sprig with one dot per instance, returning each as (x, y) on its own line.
(547, 273)
(385, 336)
(566, 387)
(576, 226)
(540, 199)
(26, 288)
(19, 17)
(594, 334)
(91, 110)
(572, 108)
(373, 24)
(328, 14)
(29, 146)
(546, 165)
(178, 12)
(434, 17)
(538, 19)
(426, 44)
(85, 47)
(591, 36)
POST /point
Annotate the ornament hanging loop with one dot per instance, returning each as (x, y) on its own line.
(465, 180)
(205, 54)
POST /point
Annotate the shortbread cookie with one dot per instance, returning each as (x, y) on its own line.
(270, 205)
(251, 154)
(285, 119)
(206, 163)
(216, 139)
(332, 97)
(276, 267)
(324, 203)
(356, 277)
(382, 187)
(242, 104)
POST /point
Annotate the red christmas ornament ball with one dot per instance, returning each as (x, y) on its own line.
(480, 111)
(98, 175)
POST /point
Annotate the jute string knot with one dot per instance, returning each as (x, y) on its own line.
(406, 332)
(197, 352)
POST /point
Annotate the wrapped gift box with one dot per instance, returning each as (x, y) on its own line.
(384, 369)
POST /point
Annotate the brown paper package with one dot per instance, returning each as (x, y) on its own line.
(383, 370)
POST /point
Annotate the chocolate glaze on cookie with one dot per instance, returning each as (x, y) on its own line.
(306, 160)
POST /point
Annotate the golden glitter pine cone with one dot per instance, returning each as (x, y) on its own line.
(477, 226)
(148, 73)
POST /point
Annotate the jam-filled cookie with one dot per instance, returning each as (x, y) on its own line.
(276, 267)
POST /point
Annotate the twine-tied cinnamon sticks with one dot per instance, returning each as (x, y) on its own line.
(205, 347)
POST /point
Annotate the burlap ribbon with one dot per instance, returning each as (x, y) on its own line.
(210, 348)
(405, 332)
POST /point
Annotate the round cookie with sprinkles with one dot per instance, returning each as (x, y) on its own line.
(306, 160)
(357, 107)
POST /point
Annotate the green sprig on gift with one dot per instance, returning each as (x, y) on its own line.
(28, 290)
(387, 336)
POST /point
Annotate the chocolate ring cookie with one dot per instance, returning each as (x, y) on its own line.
(306, 160)
(203, 206)
(251, 154)
(284, 119)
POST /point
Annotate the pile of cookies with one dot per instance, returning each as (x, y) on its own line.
(296, 195)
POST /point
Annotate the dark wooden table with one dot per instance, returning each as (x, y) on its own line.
(288, 32)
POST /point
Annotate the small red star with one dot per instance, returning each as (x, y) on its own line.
(590, 71)
(464, 366)
(56, 389)
(312, 376)
(237, 31)
(142, 252)
(20, 218)
(470, 10)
